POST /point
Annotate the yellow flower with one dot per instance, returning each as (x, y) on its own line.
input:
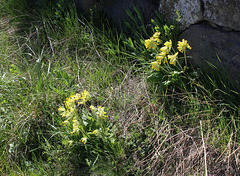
(156, 35)
(68, 114)
(66, 122)
(70, 102)
(101, 112)
(77, 96)
(153, 41)
(150, 43)
(96, 132)
(155, 66)
(147, 44)
(61, 109)
(70, 143)
(161, 57)
(168, 44)
(173, 58)
(165, 49)
(85, 97)
(76, 125)
(86, 94)
(93, 108)
(182, 45)
(83, 140)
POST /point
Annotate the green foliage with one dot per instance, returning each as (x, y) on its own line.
(149, 126)
(88, 133)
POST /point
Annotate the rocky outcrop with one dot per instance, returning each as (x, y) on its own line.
(190, 11)
(225, 13)
(215, 45)
(212, 28)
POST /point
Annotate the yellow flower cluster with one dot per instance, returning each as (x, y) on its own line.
(165, 57)
(182, 45)
(99, 111)
(96, 132)
(83, 140)
(70, 109)
(85, 97)
(153, 41)
(77, 123)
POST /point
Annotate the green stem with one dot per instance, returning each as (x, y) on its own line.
(185, 57)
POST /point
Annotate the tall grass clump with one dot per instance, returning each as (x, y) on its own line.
(190, 98)
(79, 97)
(42, 63)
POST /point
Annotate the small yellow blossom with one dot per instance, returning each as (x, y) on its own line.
(93, 108)
(86, 94)
(77, 96)
(96, 132)
(61, 109)
(70, 143)
(153, 41)
(168, 44)
(85, 97)
(66, 122)
(68, 114)
(83, 140)
(150, 43)
(101, 112)
(173, 58)
(70, 102)
(156, 35)
(161, 57)
(182, 45)
(155, 66)
(76, 125)
(165, 50)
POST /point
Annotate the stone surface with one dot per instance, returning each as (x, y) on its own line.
(225, 13)
(207, 42)
(190, 10)
(221, 38)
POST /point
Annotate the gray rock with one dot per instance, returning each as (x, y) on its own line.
(209, 43)
(190, 10)
(225, 13)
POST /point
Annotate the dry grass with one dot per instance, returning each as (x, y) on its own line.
(174, 148)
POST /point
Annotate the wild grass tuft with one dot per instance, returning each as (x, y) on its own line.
(173, 122)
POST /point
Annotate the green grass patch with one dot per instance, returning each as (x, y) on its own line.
(158, 121)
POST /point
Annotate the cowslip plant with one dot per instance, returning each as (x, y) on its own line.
(87, 128)
(168, 61)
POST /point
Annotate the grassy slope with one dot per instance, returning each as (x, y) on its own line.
(162, 133)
